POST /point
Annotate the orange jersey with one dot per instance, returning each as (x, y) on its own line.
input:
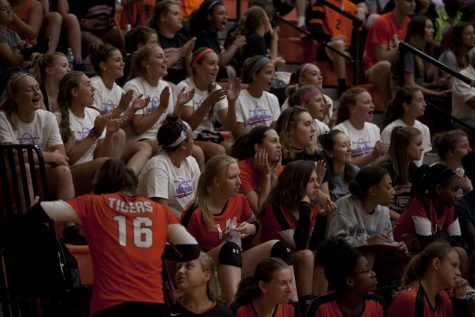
(281, 310)
(126, 236)
(327, 306)
(332, 22)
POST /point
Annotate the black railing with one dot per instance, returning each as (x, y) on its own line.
(404, 47)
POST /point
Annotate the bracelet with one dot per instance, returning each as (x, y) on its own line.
(94, 135)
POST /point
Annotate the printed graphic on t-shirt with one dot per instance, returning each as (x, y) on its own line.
(107, 106)
(197, 103)
(258, 116)
(27, 138)
(361, 231)
(80, 135)
(154, 102)
(183, 187)
(361, 147)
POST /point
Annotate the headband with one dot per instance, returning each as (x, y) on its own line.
(185, 132)
(200, 56)
(213, 4)
(303, 68)
(258, 65)
(309, 94)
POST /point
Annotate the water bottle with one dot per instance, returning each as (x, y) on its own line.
(70, 58)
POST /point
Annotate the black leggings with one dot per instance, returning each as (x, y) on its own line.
(133, 309)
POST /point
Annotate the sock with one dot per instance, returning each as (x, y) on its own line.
(301, 21)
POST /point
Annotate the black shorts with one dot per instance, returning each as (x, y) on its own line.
(133, 309)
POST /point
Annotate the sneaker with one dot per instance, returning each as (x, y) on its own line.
(71, 235)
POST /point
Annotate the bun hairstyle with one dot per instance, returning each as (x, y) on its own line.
(253, 65)
(99, 52)
(366, 178)
(396, 108)
(113, 177)
(137, 36)
(172, 133)
(300, 94)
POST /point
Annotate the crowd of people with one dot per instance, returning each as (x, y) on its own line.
(167, 147)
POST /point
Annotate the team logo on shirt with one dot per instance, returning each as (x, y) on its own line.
(154, 102)
(361, 147)
(27, 138)
(183, 188)
(82, 134)
(107, 106)
(258, 116)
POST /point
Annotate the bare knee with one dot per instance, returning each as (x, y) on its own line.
(305, 257)
(53, 18)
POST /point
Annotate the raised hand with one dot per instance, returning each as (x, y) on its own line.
(187, 48)
(140, 103)
(115, 124)
(261, 160)
(164, 99)
(215, 96)
(125, 100)
(234, 90)
(101, 121)
(321, 169)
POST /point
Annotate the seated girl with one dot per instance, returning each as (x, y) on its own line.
(310, 98)
(259, 155)
(362, 217)
(209, 103)
(200, 292)
(353, 282)
(267, 292)
(405, 149)
(407, 106)
(171, 177)
(255, 106)
(354, 117)
(427, 280)
(337, 148)
(289, 215)
(430, 216)
(89, 137)
(221, 219)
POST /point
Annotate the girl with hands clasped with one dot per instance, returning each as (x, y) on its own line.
(290, 216)
(110, 98)
(149, 66)
(222, 218)
(259, 155)
(209, 103)
(428, 280)
(89, 137)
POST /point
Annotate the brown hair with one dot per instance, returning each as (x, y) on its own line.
(348, 100)
(41, 61)
(67, 83)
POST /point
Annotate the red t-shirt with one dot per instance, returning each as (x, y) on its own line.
(281, 310)
(275, 221)
(381, 32)
(250, 177)
(126, 236)
(327, 306)
(237, 209)
(405, 224)
(414, 299)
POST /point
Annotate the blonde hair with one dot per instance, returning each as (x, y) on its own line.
(139, 59)
(8, 105)
(213, 288)
(215, 167)
(42, 61)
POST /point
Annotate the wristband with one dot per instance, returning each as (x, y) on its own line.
(94, 135)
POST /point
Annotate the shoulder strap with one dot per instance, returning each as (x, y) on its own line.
(419, 309)
(280, 216)
(187, 214)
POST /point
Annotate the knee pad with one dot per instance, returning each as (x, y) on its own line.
(282, 251)
(230, 254)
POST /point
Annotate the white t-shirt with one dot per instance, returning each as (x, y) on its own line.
(362, 141)
(461, 93)
(320, 127)
(254, 112)
(42, 131)
(426, 144)
(161, 179)
(106, 99)
(195, 103)
(80, 128)
(141, 86)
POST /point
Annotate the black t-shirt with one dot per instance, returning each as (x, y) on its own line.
(209, 39)
(178, 310)
(176, 72)
(302, 155)
(255, 45)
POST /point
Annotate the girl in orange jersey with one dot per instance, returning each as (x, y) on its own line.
(127, 236)
(221, 218)
(197, 280)
(352, 279)
(426, 279)
(267, 292)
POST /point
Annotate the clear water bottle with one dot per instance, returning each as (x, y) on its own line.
(70, 58)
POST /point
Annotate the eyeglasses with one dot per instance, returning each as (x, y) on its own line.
(369, 272)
